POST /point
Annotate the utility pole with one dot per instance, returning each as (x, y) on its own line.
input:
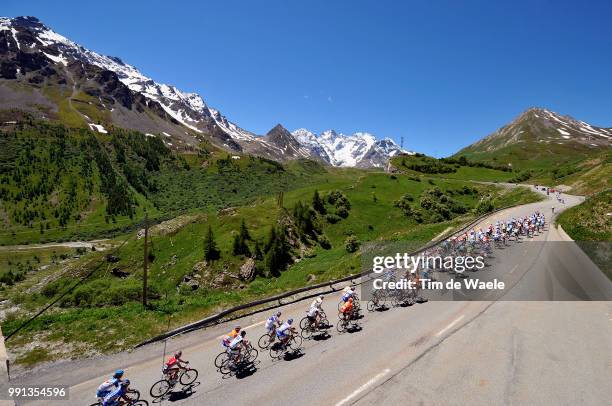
(146, 261)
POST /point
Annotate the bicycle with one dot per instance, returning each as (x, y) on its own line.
(345, 321)
(308, 327)
(249, 356)
(377, 301)
(266, 339)
(293, 343)
(132, 394)
(401, 297)
(186, 377)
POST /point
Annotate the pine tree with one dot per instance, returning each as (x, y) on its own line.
(257, 254)
(244, 231)
(271, 239)
(317, 203)
(278, 256)
(237, 244)
(211, 252)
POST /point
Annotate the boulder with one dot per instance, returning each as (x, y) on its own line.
(247, 270)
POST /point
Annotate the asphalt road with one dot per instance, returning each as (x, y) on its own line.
(441, 352)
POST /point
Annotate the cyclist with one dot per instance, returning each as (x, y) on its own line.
(237, 345)
(284, 331)
(114, 398)
(347, 309)
(348, 292)
(230, 336)
(110, 384)
(271, 324)
(173, 365)
(314, 313)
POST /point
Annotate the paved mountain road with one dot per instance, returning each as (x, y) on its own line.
(440, 352)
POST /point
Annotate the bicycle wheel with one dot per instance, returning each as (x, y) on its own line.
(264, 341)
(324, 322)
(276, 351)
(304, 323)
(307, 332)
(252, 355)
(341, 326)
(133, 395)
(188, 376)
(220, 359)
(160, 388)
(226, 367)
(139, 403)
(371, 305)
(295, 343)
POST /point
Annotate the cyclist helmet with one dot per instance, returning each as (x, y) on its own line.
(320, 300)
(118, 373)
(290, 321)
(125, 382)
(278, 314)
(237, 328)
(178, 354)
(242, 333)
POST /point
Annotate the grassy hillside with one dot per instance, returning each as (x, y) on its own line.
(587, 177)
(532, 155)
(354, 207)
(584, 168)
(451, 168)
(59, 183)
(590, 225)
(591, 220)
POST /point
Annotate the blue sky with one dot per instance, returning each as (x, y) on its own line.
(442, 74)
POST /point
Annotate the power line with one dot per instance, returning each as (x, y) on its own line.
(69, 290)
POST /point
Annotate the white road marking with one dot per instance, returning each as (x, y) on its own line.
(445, 329)
(514, 268)
(250, 326)
(363, 388)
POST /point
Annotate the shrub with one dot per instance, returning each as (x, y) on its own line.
(342, 211)
(485, 206)
(324, 242)
(351, 244)
(332, 218)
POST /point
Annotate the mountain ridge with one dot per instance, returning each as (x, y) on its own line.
(37, 57)
(543, 135)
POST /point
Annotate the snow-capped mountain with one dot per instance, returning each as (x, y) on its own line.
(540, 135)
(544, 127)
(62, 80)
(360, 149)
(188, 109)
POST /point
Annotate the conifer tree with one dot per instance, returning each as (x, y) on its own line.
(211, 252)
